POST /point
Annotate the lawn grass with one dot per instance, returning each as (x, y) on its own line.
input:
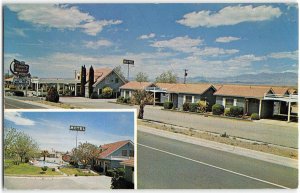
(73, 171)
(26, 169)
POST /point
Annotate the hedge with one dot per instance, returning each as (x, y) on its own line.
(193, 107)
(236, 111)
(168, 105)
(217, 109)
(254, 116)
(186, 106)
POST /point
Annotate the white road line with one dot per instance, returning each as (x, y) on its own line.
(223, 169)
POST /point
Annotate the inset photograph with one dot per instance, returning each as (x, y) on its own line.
(56, 150)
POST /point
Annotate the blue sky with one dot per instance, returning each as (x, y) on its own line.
(208, 39)
(51, 129)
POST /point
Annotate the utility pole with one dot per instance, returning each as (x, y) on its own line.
(185, 75)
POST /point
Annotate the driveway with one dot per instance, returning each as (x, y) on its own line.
(57, 183)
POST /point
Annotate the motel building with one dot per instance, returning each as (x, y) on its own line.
(82, 85)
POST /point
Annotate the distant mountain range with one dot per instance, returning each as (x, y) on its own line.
(282, 79)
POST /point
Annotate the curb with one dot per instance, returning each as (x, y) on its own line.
(224, 147)
(36, 103)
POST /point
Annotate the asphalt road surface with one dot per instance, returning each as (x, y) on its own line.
(166, 163)
(13, 104)
(57, 183)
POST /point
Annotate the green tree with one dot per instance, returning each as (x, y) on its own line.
(141, 98)
(141, 77)
(18, 145)
(44, 153)
(119, 71)
(166, 77)
(86, 153)
(10, 137)
(25, 147)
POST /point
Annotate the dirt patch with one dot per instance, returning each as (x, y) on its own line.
(226, 139)
(60, 105)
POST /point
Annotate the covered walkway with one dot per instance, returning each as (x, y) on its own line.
(289, 99)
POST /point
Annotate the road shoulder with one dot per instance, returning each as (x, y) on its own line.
(223, 147)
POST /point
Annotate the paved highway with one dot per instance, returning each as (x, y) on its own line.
(13, 104)
(166, 163)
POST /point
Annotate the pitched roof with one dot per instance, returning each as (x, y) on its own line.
(243, 91)
(190, 88)
(165, 86)
(134, 85)
(129, 162)
(280, 90)
(99, 74)
(111, 147)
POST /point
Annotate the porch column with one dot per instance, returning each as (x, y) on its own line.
(154, 98)
(259, 111)
(75, 90)
(289, 112)
(104, 166)
(169, 96)
(37, 88)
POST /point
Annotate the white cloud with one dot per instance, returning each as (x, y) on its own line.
(60, 17)
(182, 44)
(209, 51)
(151, 35)
(227, 39)
(292, 5)
(288, 55)
(17, 119)
(98, 44)
(19, 32)
(230, 15)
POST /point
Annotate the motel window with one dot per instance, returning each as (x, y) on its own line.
(124, 152)
(131, 153)
(229, 103)
(188, 99)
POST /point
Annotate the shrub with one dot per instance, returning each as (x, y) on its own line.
(120, 99)
(53, 169)
(193, 107)
(227, 112)
(19, 93)
(109, 173)
(235, 111)
(186, 106)
(94, 95)
(44, 168)
(168, 105)
(107, 92)
(127, 100)
(52, 95)
(254, 116)
(217, 109)
(202, 106)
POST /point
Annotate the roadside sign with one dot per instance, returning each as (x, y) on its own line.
(77, 128)
(21, 67)
(21, 81)
(125, 61)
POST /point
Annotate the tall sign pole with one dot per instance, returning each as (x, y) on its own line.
(128, 62)
(185, 75)
(77, 128)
